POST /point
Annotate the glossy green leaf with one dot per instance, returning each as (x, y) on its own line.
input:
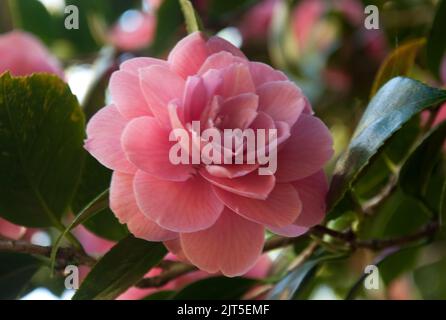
(125, 264)
(16, 270)
(416, 172)
(96, 205)
(398, 63)
(169, 20)
(393, 106)
(41, 134)
(430, 280)
(296, 280)
(94, 180)
(436, 44)
(216, 288)
(160, 295)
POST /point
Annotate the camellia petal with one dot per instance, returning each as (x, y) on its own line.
(104, 139)
(232, 245)
(123, 204)
(178, 206)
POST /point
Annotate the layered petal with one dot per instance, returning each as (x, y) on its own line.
(104, 139)
(282, 100)
(147, 146)
(123, 204)
(281, 208)
(160, 85)
(127, 95)
(262, 73)
(252, 185)
(306, 151)
(232, 245)
(178, 206)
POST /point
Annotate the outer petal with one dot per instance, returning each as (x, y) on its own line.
(123, 204)
(217, 44)
(307, 150)
(282, 100)
(252, 185)
(312, 191)
(178, 206)
(262, 73)
(147, 146)
(281, 208)
(127, 95)
(133, 65)
(10, 230)
(188, 55)
(104, 139)
(160, 86)
(232, 245)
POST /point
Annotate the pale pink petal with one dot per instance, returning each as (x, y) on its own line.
(231, 170)
(178, 206)
(236, 80)
(123, 205)
(220, 60)
(232, 245)
(147, 146)
(195, 98)
(10, 230)
(239, 111)
(262, 73)
(217, 44)
(253, 185)
(127, 95)
(104, 132)
(160, 86)
(133, 65)
(174, 246)
(282, 100)
(307, 150)
(281, 208)
(312, 191)
(188, 55)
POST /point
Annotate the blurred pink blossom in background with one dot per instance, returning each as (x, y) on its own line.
(23, 54)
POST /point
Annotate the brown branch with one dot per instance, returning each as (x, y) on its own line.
(65, 256)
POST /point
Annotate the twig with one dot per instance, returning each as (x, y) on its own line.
(64, 255)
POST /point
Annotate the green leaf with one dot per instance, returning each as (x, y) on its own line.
(95, 206)
(216, 288)
(41, 134)
(398, 63)
(95, 179)
(125, 264)
(393, 106)
(417, 170)
(296, 280)
(430, 280)
(436, 44)
(16, 270)
(32, 16)
(190, 16)
(160, 295)
(169, 19)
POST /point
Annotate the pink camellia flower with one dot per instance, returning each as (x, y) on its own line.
(214, 214)
(22, 54)
(259, 271)
(10, 230)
